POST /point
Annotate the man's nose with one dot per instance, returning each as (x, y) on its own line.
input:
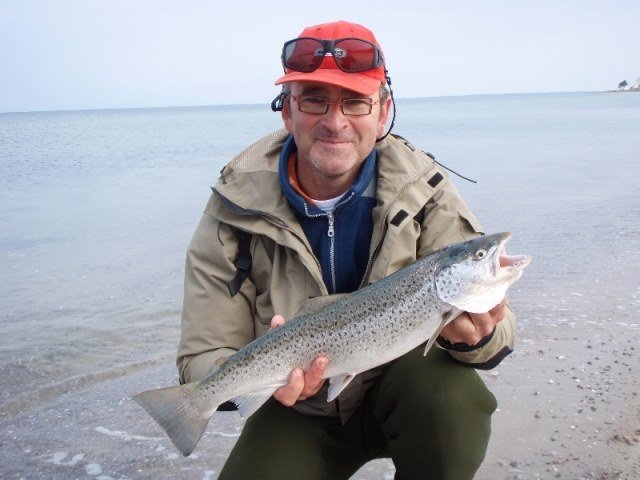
(334, 118)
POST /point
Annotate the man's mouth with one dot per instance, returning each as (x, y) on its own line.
(333, 141)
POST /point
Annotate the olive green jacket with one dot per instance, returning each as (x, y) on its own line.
(418, 211)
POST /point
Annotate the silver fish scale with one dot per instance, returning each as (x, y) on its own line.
(365, 329)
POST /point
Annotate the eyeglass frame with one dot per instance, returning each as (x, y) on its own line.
(366, 101)
(328, 46)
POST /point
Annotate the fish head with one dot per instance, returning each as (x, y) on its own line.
(474, 276)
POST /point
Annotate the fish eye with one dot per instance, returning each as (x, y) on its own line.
(480, 254)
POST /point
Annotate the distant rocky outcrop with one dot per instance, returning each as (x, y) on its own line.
(624, 86)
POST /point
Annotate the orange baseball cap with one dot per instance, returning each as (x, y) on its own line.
(365, 82)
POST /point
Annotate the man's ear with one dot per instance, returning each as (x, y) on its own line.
(384, 115)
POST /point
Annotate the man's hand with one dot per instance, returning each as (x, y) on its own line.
(302, 385)
(470, 328)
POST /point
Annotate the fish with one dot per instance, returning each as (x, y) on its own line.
(356, 332)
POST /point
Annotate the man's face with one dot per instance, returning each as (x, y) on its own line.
(332, 145)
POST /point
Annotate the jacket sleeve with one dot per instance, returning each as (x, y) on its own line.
(447, 219)
(214, 324)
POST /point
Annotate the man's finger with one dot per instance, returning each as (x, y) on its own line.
(289, 394)
(277, 321)
(313, 378)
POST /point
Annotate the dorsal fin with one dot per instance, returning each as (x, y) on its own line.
(312, 305)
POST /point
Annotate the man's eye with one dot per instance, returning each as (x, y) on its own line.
(356, 101)
(315, 100)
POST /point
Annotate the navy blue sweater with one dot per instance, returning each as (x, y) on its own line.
(340, 239)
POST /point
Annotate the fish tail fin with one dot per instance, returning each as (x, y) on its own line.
(183, 415)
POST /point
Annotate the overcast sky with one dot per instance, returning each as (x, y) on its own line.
(86, 54)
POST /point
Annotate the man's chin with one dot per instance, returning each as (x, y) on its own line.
(329, 149)
(333, 162)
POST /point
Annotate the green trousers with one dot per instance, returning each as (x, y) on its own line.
(431, 416)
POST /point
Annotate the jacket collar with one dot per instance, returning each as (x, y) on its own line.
(251, 184)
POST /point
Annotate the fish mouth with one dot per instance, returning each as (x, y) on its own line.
(505, 264)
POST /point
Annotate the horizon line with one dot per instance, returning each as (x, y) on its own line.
(253, 104)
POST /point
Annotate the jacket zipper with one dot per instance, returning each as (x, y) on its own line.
(331, 233)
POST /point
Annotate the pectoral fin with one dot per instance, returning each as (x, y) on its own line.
(446, 318)
(338, 384)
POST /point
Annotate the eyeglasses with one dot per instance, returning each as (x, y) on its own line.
(349, 106)
(352, 55)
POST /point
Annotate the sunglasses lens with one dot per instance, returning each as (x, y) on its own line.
(303, 54)
(354, 55)
(350, 54)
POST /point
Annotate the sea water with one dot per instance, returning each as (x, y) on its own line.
(97, 209)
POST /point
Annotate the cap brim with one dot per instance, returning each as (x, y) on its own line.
(357, 82)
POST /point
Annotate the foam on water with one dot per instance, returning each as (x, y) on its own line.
(126, 436)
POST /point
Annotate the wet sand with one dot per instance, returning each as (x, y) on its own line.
(569, 407)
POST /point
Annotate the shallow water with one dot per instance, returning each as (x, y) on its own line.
(97, 209)
(560, 172)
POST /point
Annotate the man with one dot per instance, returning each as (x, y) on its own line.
(325, 207)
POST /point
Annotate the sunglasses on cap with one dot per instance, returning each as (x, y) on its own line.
(352, 55)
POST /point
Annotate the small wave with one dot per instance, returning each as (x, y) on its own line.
(33, 399)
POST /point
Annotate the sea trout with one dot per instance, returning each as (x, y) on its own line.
(356, 331)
